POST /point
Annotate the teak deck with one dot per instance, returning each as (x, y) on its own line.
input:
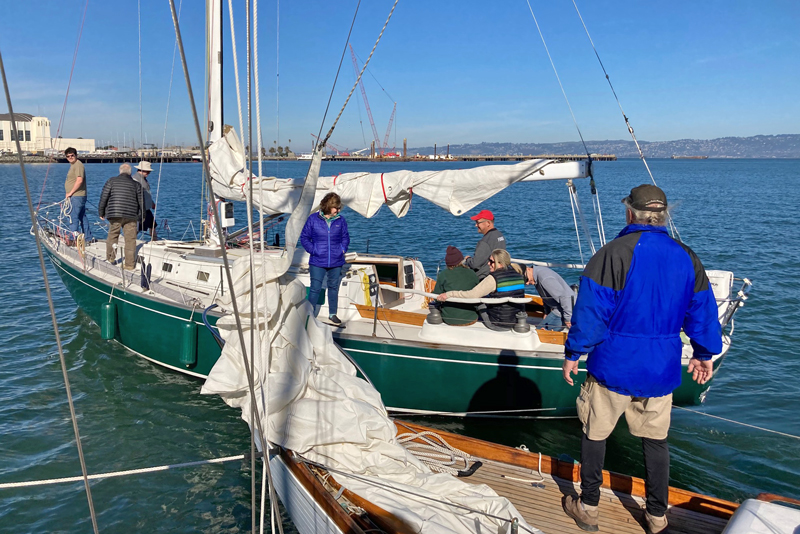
(537, 495)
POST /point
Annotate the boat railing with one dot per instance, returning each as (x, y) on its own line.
(549, 264)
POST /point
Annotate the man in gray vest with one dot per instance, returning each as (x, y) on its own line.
(492, 239)
(121, 203)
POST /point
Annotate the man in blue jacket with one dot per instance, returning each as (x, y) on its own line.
(635, 296)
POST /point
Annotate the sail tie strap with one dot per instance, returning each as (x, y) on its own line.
(383, 188)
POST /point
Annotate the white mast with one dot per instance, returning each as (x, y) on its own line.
(214, 51)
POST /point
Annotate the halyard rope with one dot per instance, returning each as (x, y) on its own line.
(50, 304)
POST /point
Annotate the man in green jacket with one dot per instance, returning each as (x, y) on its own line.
(457, 277)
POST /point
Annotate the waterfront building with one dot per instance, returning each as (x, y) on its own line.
(34, 136)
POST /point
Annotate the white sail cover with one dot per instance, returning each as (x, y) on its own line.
(457, 191)
(310, 401)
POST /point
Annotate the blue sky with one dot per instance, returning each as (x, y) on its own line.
(460, 71)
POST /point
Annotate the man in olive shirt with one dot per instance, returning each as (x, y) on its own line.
(75, 187)
(456, 277)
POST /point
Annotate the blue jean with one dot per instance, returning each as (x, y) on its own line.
(78, 215)
(334, 275)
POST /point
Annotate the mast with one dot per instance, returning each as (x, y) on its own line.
(214, 51)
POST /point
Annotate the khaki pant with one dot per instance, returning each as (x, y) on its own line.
(129, 228)
(599, 410)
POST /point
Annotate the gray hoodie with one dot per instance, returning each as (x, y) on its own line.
(479, 262)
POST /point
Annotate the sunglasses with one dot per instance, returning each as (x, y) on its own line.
(491, 261)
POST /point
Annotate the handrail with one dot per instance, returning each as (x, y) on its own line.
(549, 264)
(483, 300)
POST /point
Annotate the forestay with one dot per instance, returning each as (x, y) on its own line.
(457, 191)
(310, 401)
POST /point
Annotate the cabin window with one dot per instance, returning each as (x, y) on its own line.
(27, 135)
(166, 267)
(1, 134)
(203, 277)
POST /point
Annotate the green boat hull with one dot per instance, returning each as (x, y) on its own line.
(411, 376)
(153, 329)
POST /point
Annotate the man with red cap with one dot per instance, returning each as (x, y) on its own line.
(492, 239)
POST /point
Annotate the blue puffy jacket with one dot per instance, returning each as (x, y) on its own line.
(326, 242)
(635, 295)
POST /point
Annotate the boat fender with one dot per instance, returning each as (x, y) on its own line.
(108, 320)
(471, 471)
(188, 355)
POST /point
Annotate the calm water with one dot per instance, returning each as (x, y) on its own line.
(737, 215)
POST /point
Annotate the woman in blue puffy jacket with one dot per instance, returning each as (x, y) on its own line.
(326, 238)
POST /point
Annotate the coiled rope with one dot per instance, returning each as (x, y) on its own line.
(435, 452)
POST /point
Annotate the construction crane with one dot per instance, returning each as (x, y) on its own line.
(339, 150)
(389, 130)
(366, 102)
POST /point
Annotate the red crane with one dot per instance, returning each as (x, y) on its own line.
(336, 148)
(389, 130)
(366, 102)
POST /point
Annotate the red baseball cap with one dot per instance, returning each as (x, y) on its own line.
(484, 214)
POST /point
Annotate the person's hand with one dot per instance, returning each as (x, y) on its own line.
(702, 371)
(568, 324)
(569, 367)
(441, 297)
(102, 218)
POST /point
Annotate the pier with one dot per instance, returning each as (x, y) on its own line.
(189, 157)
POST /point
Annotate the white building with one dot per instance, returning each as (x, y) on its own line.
(34, 136)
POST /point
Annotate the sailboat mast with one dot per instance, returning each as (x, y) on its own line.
(214, 51)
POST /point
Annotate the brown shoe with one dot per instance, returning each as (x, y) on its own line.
(586, 519)
(655, 524)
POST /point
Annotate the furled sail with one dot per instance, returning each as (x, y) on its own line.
(457, 191)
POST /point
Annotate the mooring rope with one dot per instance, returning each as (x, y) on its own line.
(116, 474)
(50, 304)
(737, 422)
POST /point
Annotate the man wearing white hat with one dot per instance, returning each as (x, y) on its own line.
(148, 222)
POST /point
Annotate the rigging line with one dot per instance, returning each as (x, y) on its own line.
(278, 79)
(215, 211)
(575, 221)
(164, 138)
(379, 83)
(624, 116)
(360, 74)
(50, 303)
(370, 481)
(552, 64)
(737, 422)
(253, 336)
(336, 78)
(141, 123)
(66, 97)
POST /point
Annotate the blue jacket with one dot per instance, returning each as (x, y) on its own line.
(635, 295)
(326, 243)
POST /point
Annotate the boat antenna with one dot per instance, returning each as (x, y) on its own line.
(672, 227)
(50, 303)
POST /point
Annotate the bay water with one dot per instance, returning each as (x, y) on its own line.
(736, 215)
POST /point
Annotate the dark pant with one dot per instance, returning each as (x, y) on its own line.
(656, 465)
(334, 275)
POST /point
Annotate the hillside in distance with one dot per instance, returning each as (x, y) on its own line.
(759, 146)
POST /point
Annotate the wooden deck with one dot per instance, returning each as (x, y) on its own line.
(540, 504)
